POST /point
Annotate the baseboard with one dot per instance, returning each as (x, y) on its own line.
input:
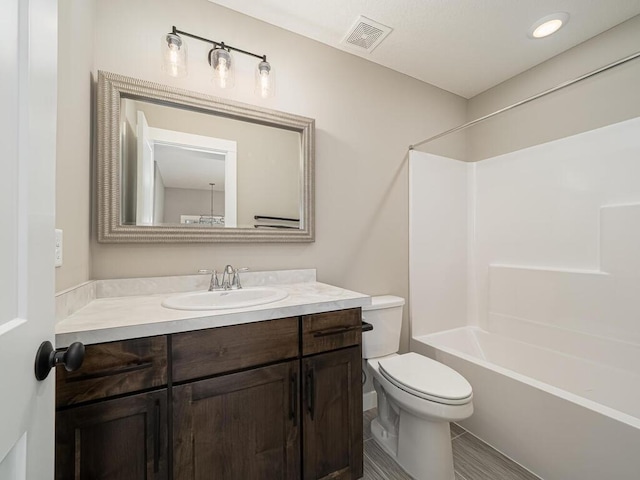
(369, 401)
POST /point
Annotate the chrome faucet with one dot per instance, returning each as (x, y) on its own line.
(226, 274)
(230, 278)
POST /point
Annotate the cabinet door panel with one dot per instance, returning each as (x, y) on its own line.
(119, 439)
(332, 443)
(239, 426)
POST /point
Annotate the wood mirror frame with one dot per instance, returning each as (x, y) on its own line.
(111, 89)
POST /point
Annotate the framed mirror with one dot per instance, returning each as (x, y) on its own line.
(175, 166)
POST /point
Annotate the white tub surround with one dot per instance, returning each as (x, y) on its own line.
(141, 314)
(549, 275)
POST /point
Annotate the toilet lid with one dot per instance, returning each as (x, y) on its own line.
(426, 378)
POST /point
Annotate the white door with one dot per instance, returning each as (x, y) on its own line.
(28, 58)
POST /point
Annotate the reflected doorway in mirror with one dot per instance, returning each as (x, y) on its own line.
(178, 174)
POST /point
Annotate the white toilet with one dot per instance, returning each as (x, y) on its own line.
(417, 396)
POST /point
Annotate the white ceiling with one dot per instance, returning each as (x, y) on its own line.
(189, 168)
(463, 46)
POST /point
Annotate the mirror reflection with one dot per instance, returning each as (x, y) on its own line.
(196, 169)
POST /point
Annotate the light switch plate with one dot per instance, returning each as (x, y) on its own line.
(58, 248)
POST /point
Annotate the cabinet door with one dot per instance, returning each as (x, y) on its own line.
(239, 426)
(119, 439)
(332, 442)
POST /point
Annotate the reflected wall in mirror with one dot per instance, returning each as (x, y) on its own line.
(178, 166)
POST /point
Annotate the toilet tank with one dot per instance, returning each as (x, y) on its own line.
(385, 314)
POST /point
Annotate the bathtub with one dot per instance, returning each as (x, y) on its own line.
(540, 400)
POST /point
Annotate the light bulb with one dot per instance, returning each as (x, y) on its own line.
(222, 67)
(223, 72)
(173, 60)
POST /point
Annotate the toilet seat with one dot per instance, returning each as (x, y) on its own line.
(425, 378)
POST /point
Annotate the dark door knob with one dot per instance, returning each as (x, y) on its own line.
(47, 358)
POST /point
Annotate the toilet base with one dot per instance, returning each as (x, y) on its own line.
(386, 439)
(422, 448)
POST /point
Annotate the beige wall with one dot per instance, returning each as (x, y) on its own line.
(609, 97)
(366, 116)
(189, 201)
(73, 177)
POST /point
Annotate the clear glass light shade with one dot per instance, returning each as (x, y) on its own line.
(174, 55)
(265, 80)
(222, 63)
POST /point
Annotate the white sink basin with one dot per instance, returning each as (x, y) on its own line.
(220, 299)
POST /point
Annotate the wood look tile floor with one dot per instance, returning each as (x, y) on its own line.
(472, 459)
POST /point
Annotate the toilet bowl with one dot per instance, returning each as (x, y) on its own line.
(417, 396)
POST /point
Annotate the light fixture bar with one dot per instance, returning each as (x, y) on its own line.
(175, 31)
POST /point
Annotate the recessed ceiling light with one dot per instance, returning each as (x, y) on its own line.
(548, 25)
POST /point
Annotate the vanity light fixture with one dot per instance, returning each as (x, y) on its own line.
(548, 25)
(174, 62)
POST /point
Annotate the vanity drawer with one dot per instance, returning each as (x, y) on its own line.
(322, 332)
(114, 368)
(226, 349)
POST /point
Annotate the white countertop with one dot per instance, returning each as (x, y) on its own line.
(119, 318)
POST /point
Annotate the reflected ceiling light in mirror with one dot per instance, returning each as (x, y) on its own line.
(548, 25)
(174, 55)
(219, 57)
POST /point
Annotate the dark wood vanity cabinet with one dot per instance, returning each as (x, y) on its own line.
(279, 399)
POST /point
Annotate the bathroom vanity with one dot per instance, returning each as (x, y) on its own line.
(276, 398)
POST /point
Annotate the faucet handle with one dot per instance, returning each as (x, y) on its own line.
(214, 284)
(236, 277)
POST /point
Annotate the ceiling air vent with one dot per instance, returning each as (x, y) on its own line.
(365, 35)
